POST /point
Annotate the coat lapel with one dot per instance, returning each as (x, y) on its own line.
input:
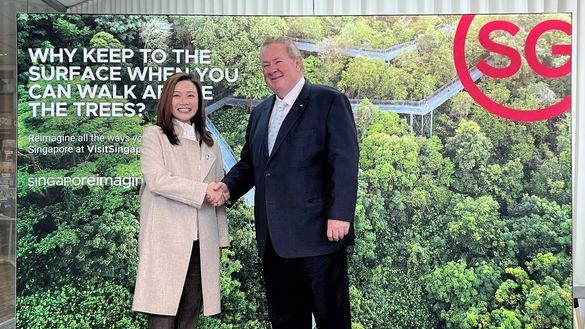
(207, 160)
(207, 155)
(293, 115)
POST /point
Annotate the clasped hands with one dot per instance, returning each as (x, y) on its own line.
(217, 194)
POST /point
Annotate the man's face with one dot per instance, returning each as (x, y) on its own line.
(281, 73)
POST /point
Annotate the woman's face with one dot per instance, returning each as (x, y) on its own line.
(185, 101)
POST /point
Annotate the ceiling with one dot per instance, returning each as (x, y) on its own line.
(62, 5)
(71, 3)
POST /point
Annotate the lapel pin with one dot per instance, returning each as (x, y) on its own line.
(207, 157)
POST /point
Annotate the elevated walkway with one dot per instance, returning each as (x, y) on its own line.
(426, 105)
(386, 55)
(230, 100)
(421, 112)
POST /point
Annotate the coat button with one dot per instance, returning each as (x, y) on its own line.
(267, 174)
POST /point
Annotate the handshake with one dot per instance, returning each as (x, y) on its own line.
(217, 194)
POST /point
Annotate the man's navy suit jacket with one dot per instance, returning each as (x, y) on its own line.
(311, 175)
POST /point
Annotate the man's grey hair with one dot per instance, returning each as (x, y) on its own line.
(291, 48)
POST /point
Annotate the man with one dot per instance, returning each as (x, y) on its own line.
(301, 153)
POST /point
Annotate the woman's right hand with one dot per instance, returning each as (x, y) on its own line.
(215, 194)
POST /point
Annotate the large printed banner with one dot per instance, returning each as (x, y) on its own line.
(464, 208)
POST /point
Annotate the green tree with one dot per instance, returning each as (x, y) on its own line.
(232, 124)
(552, 180)
(470, 150)
(510, 140)
(545, 265)
(474, 229)
(308, 28)
(452, 290)
(545, 305)
(504, 183)
(106, 302)
(105, 40)
(325, 69)
(365, 77)
(540, 226)
(71, 30)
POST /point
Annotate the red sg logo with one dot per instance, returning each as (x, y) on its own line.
(515, 61)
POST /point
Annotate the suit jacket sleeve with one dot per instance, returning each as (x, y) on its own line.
(159, 179)
(342, 159)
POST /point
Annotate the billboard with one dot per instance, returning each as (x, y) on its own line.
(464, 205)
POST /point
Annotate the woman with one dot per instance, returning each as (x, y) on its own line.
(180, 232)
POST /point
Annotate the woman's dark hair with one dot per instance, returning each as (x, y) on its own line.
(164, 111)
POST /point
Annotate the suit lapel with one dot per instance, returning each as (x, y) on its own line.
(263, 122)
(293, 115)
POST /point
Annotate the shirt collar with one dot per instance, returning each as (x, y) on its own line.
(292, 95)
(187, 129)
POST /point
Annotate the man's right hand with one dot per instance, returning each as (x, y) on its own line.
(225, 192)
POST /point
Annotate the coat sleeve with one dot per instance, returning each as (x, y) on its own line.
(159, 179)
(342, 160)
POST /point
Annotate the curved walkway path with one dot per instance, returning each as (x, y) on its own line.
(383, 54)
